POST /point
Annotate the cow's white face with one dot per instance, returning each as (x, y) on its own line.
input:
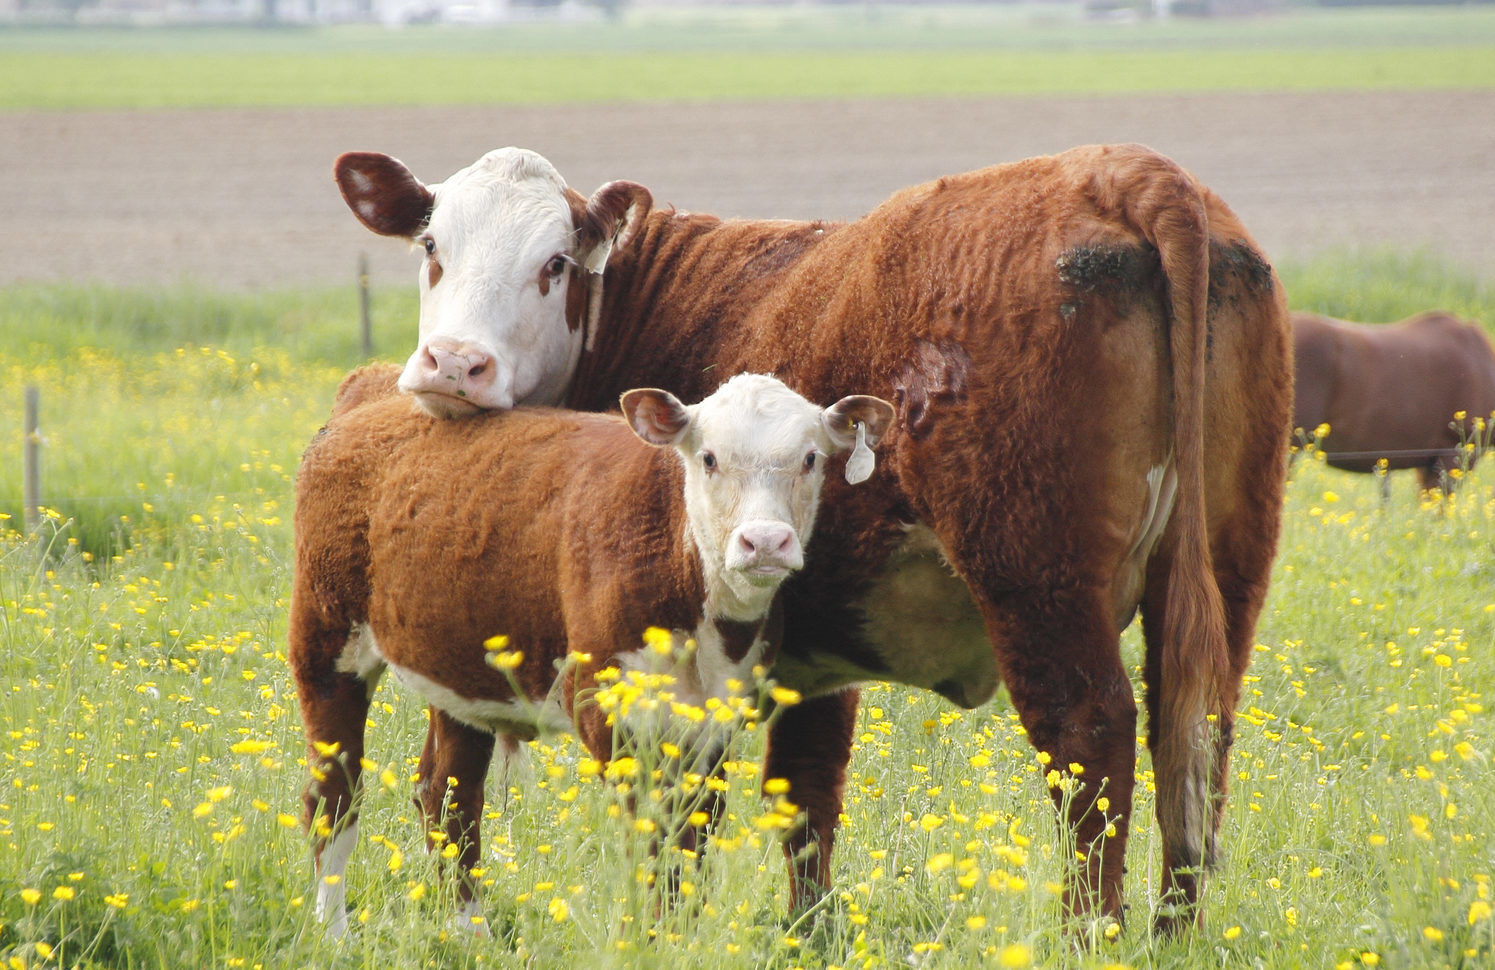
(503, 281)
(754, 454)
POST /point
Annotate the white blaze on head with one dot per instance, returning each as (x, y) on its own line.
(754, 454)
(493, 288)
(502, 241)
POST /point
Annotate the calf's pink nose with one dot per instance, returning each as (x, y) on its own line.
(769, 543)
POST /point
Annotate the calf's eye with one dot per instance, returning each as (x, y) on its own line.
(708, 460)
(810, 462)
(557, 265)
(430, 245)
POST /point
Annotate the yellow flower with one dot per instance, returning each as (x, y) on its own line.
(117, 900)
(496, 643)
(251, 746)
(784, 696)
(45, 949)
(63, 893)
(1014, 955)
(660, 640)
(776, 786)
(975, 922)
(1231, 932)
(505, 659)
(559, 910)
(31, 896)
(1478, 910)
(1432, 934)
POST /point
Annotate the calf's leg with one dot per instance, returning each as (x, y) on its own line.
(449, 792)
(334, 706)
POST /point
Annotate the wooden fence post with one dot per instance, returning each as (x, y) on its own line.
(31, 487)
(365, 324)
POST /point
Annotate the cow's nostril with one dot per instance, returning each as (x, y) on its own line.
(476, 370)
(746, 542)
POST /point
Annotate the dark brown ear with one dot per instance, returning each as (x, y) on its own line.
(656, 416)
(841, 420)
(383, 193)
(613, 214)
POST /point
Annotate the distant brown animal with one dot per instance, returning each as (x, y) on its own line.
(1395, 391)
(1091, 364)
(417, 540)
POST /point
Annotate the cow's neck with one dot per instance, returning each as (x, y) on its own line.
(674, 300)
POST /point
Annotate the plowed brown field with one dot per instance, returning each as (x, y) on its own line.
(244, 198)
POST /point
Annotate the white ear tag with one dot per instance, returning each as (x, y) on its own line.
(859, 465)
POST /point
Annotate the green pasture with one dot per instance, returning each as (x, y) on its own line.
(754, 53)
(152, 755)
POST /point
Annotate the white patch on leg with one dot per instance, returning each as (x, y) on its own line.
(361, 657)
(332, 890)
(469, 918)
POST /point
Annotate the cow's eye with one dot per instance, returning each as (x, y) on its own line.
(430, 245)
(708, 460)
(810, 462)
(557, 265)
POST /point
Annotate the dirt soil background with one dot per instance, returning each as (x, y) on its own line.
(243, 199)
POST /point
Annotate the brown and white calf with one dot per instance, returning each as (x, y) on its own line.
(417, 540)
(1091, 364)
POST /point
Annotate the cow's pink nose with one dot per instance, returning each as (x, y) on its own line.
(452, 366)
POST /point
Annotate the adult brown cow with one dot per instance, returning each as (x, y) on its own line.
(1090, 363)
(1392, 391)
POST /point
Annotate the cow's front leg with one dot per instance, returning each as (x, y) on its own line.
(449, 791)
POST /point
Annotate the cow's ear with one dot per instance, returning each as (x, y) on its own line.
(613, 215)
(656, 416)
(384, 194)
(841, 419)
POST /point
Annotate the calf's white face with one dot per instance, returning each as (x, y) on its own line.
(755, 455)
(503, 282)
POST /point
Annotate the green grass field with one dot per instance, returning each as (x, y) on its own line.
(787, 52)
(153, 762)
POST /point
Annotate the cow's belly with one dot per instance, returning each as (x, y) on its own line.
(921, 624)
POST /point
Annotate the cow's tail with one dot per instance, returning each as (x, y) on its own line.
(1168, 207)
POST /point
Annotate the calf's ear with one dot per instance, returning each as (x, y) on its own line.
(841, 419)
(613, 215)
(384, 194)
(656, 416)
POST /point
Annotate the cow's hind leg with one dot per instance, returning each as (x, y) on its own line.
(449, 792)
(1060, 657)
